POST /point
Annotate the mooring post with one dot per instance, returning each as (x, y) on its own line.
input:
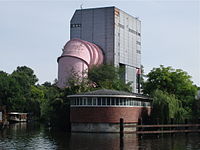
(157, 120)
(121, 127)
(199, 123)
(140, 128)
(186, 128)
(158, 128)
(172, 121)
(121, 143)
(171, 128)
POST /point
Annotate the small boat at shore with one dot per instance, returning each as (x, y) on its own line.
(17, 117)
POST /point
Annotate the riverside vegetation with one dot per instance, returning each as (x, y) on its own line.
(172, 91)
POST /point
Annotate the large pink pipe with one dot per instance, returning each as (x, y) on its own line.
(77, 57)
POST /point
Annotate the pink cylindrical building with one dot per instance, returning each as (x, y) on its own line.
(77, 57)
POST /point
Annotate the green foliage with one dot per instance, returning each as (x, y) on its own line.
(55, 107)
(166, 106)
(51, 93)
(77, 84)
(108, 77)
(174, 82)
(18, 91)
(196, 107)
(27, 73)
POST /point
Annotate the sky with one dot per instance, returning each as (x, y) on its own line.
(33, 33)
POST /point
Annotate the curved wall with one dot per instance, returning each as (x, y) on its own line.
(107, 114)
(78, 56)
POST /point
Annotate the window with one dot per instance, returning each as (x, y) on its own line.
(132, 31)
(112, 101)
(108, 101)
(121, 101)
(135, 103)
(129, 102)
(84, 101)
(89, 101)
(94, 101)
(143, 103)
(132, 102)
(77, 101)
(103, 101)
(80, 101)
(121, 26)
(99, 101)
(138, 51)
(124, 101)
(75, 25)
(117, 101)
(137, 42)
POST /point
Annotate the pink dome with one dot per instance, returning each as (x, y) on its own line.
(77, 57)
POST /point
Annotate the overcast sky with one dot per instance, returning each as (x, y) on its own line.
(33, 33)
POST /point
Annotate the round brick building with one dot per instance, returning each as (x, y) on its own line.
(101, 110)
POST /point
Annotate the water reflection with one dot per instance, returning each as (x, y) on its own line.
(102, 141)
(37, 137)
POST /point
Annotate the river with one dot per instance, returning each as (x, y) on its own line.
(37, 137)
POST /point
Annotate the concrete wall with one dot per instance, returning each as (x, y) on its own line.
(127, 44)
(96, 26)
(98, 127)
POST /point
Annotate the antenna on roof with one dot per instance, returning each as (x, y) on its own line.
(81, 6)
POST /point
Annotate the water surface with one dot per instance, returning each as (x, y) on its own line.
(37, 137)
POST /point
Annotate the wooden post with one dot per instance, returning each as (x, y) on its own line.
(171, 128)
(158, 128)
(157, 120)
(186, 128)
(121, 127)
(172, 121)
(139, 128)
(121, 143)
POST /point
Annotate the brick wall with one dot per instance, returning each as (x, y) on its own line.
(107, 114)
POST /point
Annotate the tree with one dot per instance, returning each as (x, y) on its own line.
(8, 89)
(18, 91)
(196, 106)
(172, 81)
(166, 106)
(108, 77)
(27, 73)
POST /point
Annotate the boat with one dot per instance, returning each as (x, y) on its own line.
(17, 117)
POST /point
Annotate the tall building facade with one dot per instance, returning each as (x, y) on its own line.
(117, 33)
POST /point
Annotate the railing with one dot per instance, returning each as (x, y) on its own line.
(159, 128)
